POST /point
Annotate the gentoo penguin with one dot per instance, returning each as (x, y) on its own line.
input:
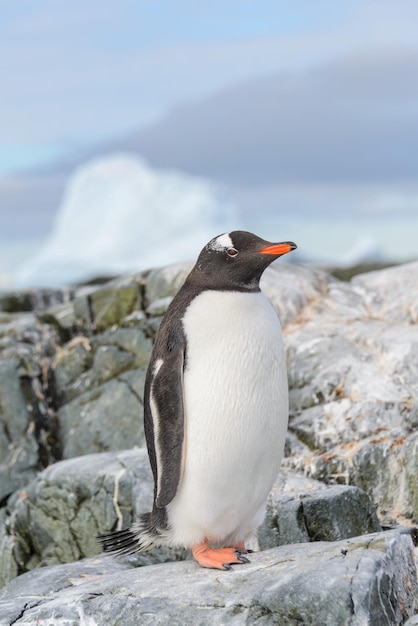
(216, 408)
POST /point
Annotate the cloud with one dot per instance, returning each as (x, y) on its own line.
(365, 200)
(352, 121)
(76, 75)
(27, 205)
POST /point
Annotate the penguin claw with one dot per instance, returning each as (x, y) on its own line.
(226, 566)
(243, 559)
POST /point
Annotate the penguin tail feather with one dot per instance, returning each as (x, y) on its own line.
(136, 538)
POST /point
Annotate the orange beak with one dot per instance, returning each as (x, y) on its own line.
(277, 249)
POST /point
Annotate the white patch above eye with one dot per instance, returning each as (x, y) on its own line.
(221, 243)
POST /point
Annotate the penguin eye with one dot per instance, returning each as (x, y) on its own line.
(231, 252)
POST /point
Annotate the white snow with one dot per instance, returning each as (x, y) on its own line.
(119, 215)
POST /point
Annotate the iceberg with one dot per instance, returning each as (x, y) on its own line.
(119, 215)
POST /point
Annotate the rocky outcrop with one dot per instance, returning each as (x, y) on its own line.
(301, 510)
(367, 580)
(27, 419)
(353, 371)
(72, 462)
(57, 517)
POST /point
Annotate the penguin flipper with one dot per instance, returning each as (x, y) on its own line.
(164, 424)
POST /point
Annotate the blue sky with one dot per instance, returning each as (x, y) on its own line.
(319, 102)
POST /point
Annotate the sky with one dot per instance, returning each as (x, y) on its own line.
(303, 109)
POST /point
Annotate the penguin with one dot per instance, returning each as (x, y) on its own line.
(215, 408)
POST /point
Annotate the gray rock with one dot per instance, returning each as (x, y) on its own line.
(165, 282)
(159, 307)
(290, 288)
(40, 419)
(58, 516)
(384, 466)
(300, 510)
(69, 365)
(33, 299)
(390, 294)
(106, 306)
(85, 363)
(61, 317)
(364, 580)
(15, 414)
(353, 375)
(132, 341)
(19, 446)
(108, 417)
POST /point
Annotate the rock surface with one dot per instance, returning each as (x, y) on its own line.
(353, 375)
(300, 510)
(367, 580)
(58, 516)
(72, 367)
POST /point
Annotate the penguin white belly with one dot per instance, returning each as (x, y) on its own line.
(236, 412)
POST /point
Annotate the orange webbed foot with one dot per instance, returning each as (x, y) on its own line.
(219, 558)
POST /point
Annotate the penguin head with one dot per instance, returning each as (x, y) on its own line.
(236, 260)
